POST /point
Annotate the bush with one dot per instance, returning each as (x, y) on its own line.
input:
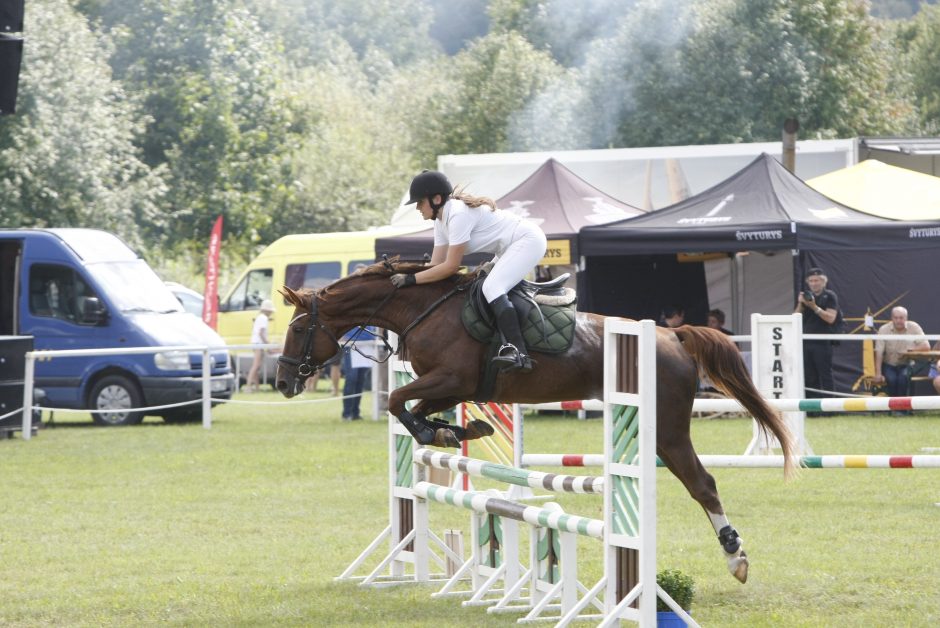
(678, 585)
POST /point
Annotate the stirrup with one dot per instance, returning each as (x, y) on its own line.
(509, 358)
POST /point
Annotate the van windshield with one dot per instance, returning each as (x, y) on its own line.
(133, 287)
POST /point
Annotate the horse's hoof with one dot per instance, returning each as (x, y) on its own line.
(477, 429)
(738, 565)
(445, 437)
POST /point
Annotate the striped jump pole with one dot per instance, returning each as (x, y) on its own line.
(510, 475)
(829, 404)
(533, 515)
(717, 461)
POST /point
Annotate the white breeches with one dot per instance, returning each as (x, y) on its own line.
(527, 248)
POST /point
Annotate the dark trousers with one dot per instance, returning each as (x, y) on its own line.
(354, 384)
(817, 366)
(897, 379)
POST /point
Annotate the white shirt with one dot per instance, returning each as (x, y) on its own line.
(259, 331)
(481, 228)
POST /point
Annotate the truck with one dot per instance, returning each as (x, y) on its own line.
(87, 289)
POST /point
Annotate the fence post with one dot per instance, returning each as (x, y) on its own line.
(28, 377)
(206, 389)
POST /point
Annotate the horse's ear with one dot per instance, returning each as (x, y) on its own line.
(291, 296)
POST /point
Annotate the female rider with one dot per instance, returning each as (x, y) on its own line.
(469, 224)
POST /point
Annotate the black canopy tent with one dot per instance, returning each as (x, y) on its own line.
(635, 266)
(553, 197)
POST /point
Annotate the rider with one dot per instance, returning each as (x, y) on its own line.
(471, 224)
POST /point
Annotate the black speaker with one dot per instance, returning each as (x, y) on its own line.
(11, 16)
(11, 53)
(11, 398)
(13, 357)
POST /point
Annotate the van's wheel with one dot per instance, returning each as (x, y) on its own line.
(116, 393)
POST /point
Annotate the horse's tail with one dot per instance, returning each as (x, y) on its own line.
(721, 361)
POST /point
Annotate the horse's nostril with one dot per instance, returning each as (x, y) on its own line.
(282, 385)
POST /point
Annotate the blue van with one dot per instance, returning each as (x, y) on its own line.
(86, 289)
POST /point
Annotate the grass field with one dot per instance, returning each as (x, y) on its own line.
(246, 524)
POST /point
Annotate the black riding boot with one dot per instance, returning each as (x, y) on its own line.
(512, 354)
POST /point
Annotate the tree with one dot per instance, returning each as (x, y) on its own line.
(221, 121)
(733, 70)
(470, 104)
(919, 40)
(68, 157)
(353, 165)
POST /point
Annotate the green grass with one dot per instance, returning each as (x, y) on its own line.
(247, 524)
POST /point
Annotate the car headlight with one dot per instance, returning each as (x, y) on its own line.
(172, 361)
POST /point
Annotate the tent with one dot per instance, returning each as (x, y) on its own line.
(553, 197)
(883, 190)
(745, 243)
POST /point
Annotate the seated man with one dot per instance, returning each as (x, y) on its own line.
(890, 366)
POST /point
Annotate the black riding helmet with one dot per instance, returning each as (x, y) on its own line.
(426, 185)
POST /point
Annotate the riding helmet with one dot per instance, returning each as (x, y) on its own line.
(427, 184)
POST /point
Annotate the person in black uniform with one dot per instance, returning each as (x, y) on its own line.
(819, 307)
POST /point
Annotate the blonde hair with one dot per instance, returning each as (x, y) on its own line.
(471, 200)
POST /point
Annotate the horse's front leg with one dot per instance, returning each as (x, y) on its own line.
(474, 429)
(437, 391)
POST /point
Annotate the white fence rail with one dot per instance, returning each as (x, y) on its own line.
(206, 375)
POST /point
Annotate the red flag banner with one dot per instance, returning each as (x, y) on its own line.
(210, 307)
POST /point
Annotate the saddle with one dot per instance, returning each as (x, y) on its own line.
(546, 312)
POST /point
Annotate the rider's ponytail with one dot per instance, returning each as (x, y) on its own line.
(471, 200)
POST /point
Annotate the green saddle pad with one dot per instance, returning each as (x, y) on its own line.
(554, 334)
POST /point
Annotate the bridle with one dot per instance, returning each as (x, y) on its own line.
(305, 367)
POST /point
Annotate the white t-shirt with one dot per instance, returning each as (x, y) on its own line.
(484, 230)
(260, 327)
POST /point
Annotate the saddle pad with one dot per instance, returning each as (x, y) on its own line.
(553, 335)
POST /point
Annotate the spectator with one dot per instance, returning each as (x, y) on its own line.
(820, 308)
(357, 368)
(716, 320)
(891, 367)
(672, 316)
(259, 336)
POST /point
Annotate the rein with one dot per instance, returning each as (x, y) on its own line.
(424, 315)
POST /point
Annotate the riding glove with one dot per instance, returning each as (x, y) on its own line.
(403, 281)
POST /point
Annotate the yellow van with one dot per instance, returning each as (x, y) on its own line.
(310, 260)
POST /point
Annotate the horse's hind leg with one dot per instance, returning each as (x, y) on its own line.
(680, 457)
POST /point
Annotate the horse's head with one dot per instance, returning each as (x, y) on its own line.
(309, 346)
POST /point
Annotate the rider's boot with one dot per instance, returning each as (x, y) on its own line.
(512, 354)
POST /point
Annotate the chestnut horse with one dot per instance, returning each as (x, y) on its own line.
(448, 364)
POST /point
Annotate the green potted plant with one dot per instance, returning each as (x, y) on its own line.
(680, 588)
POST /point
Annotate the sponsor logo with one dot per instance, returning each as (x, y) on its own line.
(925, 232)
(710, 217)
(768, 234)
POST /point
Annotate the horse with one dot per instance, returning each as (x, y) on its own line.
(447, 362)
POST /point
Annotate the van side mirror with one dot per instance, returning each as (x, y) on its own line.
(92, 311)
(221, 306)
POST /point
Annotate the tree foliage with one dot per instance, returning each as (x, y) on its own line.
(68, 157)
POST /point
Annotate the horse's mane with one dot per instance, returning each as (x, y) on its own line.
(380, 269)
